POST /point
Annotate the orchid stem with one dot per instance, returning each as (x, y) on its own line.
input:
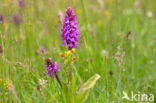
(57, 78)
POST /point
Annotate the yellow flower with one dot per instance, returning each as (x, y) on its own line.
(67, 53)
(61, 54)
(73, 50)
(6, 84)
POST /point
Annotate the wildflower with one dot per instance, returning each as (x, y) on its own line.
(1, 19)
(90, 60)
(61, 54)
(111, 72)
(69, 30)
(16, 18)
(6, 84)
(101, 2)
(12, 90)
(119, 56)
(21, 3)
(42, 83)
(51, 67)
(61, 16)
(104, 54)
(150, 14)
(41, 50)
(67, 53)
(73, 50)
(137, 4)
(10, 87)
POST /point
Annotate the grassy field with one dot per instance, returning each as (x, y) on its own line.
(116, 55)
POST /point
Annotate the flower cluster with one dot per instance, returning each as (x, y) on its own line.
(68, 53)
(70, 38)
(119, 56)
(69, 30)
(51, 67)
(6, 83)
(16, 18)
(21, 3)
(42, 83)
(41, 50)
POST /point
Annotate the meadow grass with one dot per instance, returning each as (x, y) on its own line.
(117, 41)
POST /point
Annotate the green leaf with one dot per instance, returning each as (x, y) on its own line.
(88, 84)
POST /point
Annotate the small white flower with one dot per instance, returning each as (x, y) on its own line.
(104, 53)
(150, 14)
(42, 83)
(119, 56)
